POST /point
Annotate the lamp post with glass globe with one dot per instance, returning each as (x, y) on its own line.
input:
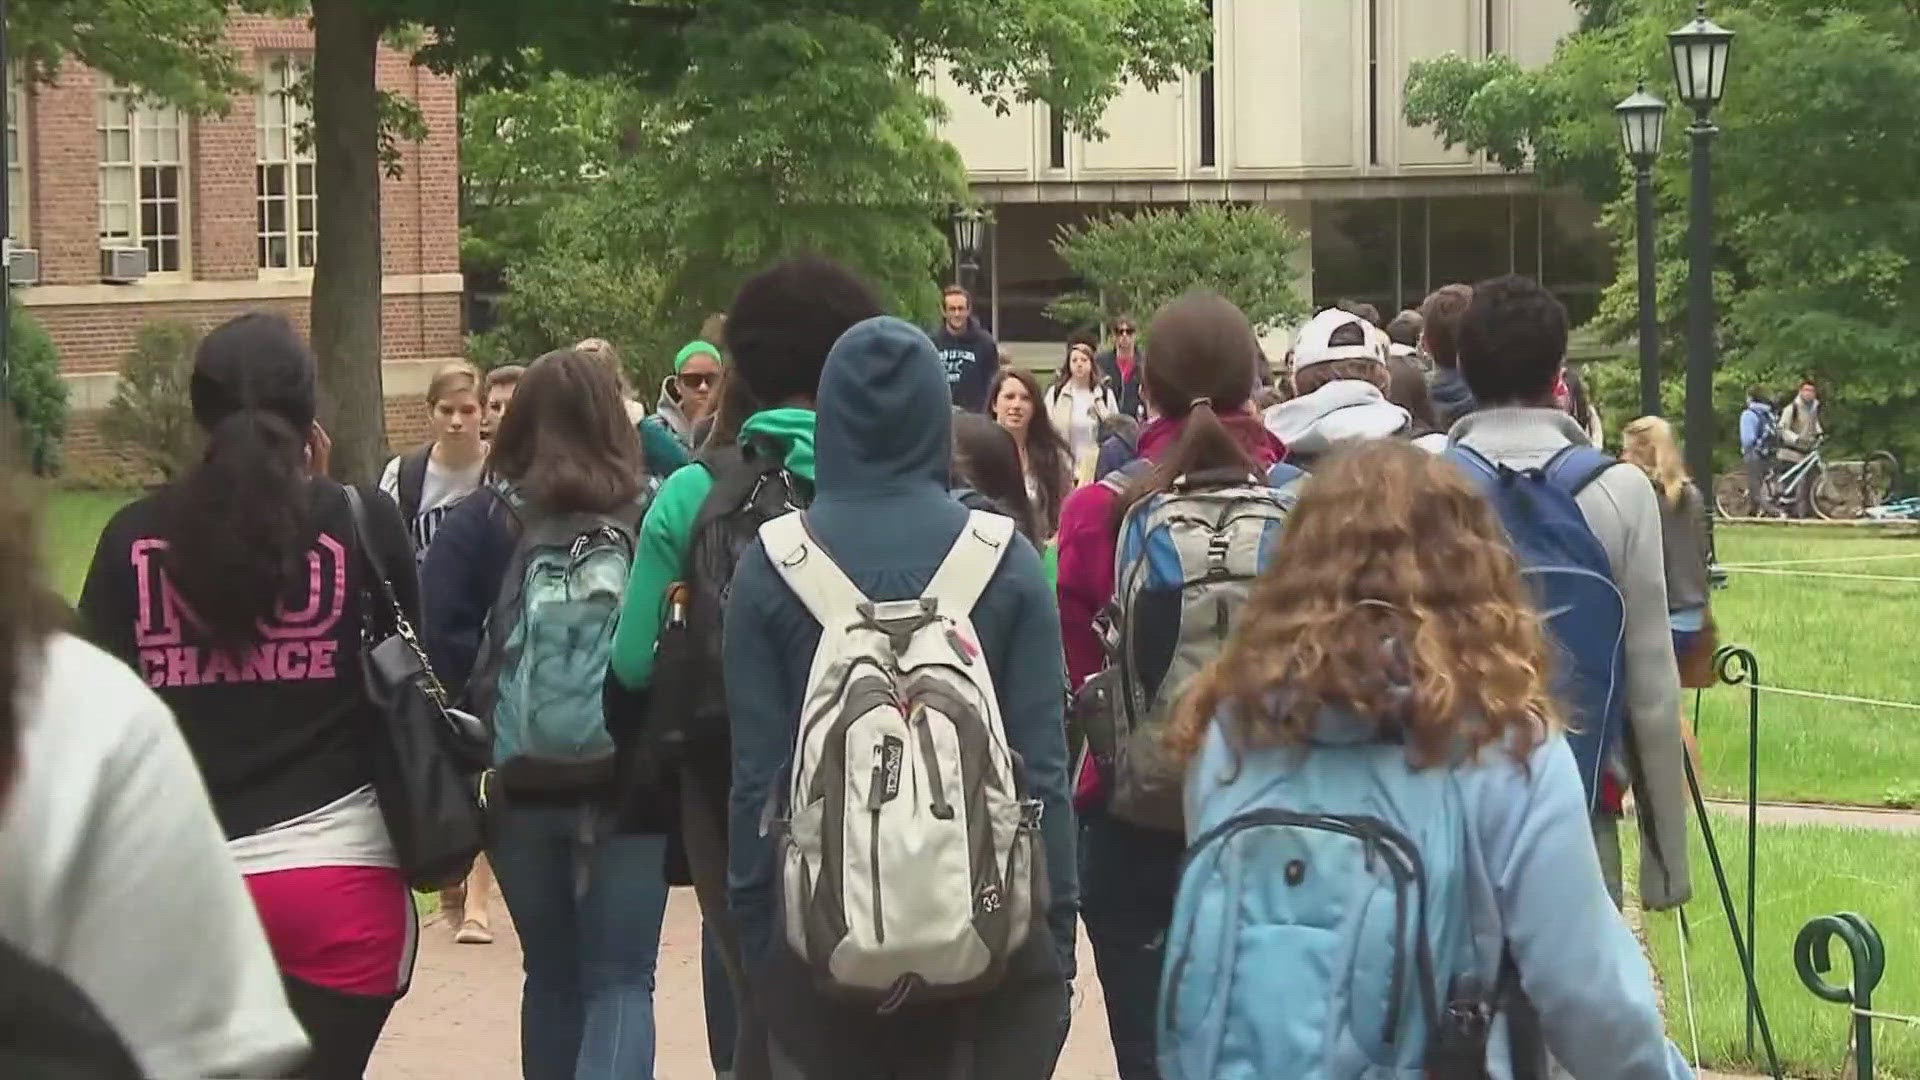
(1642, 120)
(969, 225)
(1700, 54)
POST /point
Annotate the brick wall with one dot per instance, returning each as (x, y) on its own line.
(419, 224)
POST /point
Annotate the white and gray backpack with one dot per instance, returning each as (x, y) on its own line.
(909, 857)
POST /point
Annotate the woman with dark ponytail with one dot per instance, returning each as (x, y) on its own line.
(1198, 382)
(237, 594)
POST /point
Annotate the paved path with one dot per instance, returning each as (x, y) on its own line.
(462, 1018)
(1852, 817)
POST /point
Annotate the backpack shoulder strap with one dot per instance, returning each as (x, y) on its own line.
(829, 595)
(1284, 473)
(1473, 461)
(971, 563)
(1576, 466)
(413, 481)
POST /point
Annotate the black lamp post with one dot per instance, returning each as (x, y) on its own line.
(1700, 54)
(1642, 119)
(969, 226)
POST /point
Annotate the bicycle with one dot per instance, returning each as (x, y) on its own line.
(1812, 487)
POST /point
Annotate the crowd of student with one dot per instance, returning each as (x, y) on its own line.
(1285, 728)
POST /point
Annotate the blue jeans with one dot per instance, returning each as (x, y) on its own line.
(588, 907)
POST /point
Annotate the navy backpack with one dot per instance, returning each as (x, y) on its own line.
(1572, 583)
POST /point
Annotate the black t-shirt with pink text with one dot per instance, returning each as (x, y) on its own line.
(282, 726)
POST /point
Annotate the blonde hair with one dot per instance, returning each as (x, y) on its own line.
(1393, 597)
(451, 379)
(1649, 443)
(602, 350)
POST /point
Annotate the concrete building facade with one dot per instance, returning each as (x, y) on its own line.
(223, 207)
(1301, 111)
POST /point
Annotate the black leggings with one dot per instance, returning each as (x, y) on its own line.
(341, 1027)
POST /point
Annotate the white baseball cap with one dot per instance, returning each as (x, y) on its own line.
(1359, 340)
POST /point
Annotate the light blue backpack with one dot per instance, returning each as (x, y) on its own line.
(548, 641)
(1326, 922)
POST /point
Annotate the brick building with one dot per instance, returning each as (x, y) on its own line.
(223, 208)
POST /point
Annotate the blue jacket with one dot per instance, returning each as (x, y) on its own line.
(970, 358)
(883, 509)
(460, 580)
(1755, 420)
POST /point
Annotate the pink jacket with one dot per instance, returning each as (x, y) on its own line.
(1088, 538)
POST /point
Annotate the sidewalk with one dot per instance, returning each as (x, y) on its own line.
(462, 1017)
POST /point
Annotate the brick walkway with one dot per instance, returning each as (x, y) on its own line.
(462, 1017)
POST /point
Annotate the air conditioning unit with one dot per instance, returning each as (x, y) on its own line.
(23, 266)
(122, 265)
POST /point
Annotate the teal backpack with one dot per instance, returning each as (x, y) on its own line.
(1329, 923)
(548, 641)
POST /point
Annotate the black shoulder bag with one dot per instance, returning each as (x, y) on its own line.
(427, 757)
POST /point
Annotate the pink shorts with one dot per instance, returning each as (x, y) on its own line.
(345, 928)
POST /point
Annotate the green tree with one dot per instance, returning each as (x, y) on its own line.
(175, 50)
(1818, 219)
(151, 414)
(1137, 263)
(801, 127)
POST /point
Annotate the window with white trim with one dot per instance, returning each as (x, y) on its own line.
(16, 156)
(143, 177)
(284, 172)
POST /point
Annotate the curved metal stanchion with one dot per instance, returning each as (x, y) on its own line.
(1738, 666)
(1813, 958)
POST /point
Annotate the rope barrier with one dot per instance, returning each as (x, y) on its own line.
(1818, 574)
(1819, 562)
(1910, 1021)
(1846, 699)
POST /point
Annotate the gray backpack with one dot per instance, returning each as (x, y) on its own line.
(909, 858)
(1186, 560)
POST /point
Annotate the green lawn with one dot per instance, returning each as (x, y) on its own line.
(70, 523)
(1831, 635)
(1804, 872)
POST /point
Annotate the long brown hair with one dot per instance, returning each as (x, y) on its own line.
(1394, 597)
(566, 444)
(985, 459)
(28, 611)
(1200, 368)
(1047, 455)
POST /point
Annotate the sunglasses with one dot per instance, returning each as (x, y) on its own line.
(1124, 330)
(698, 380)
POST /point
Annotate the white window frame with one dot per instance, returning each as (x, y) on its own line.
(18, 204)
(283, 172)
(140, 140)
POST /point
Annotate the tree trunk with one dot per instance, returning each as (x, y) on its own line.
(346, 277)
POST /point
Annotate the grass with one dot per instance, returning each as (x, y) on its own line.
(1830, 635)
(1804, 872)
(70, 524)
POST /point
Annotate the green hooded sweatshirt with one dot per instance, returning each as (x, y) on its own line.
(661, 556)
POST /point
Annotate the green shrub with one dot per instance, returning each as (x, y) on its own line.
(150, 417)
(38, 393)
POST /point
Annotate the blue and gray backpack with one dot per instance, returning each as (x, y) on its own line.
(548, 641)
(1573, 587)
(1329, 924)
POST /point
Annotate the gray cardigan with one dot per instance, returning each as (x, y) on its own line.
(1624, 513)
(1683, 537)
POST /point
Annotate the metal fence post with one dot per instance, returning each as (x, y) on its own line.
(1738, 666)
(1813, 957)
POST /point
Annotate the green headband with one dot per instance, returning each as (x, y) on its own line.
(692, 349)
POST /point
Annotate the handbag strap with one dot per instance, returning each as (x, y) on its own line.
(401, 625)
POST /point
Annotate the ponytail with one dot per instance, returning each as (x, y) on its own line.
(238, 525)
(1204, 445)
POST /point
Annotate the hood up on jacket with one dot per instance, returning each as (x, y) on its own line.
(1341, 411)
(667, 408)
(884, 421)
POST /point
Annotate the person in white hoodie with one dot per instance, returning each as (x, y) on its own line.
(1340, 379)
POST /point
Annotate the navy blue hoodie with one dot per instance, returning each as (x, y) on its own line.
(971, 357)
(882, 508)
